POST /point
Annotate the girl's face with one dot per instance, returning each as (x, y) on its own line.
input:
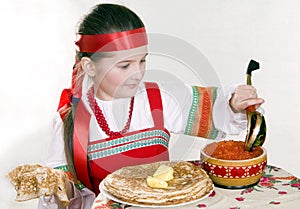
(119, 74)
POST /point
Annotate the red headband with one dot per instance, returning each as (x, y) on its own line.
(112, 42)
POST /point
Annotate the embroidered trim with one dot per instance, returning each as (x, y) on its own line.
(127, 139)
(65, 168)
(214, 132)
(200, 116)
(127, 147)
(189, 126)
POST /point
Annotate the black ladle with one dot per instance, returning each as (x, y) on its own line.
(256, 128)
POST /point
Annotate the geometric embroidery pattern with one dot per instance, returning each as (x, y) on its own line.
(189, 126)
(127, 139)
(124, 144)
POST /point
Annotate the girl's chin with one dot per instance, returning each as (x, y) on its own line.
(127, 92)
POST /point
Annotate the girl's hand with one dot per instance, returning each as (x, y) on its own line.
(243, 97)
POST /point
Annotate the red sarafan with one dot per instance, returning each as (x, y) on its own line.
(231, 150)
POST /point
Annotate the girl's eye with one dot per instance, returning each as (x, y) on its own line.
(124, 66)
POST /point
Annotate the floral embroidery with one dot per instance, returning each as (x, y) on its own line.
(212, 194)
(271, 168)
(248, 190)
(274, 203)
(295, 183)
(111, 205)
(240, 199)
(268, 181)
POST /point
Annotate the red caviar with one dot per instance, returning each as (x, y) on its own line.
(231, 150)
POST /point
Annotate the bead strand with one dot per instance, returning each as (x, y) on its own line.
(101, 119)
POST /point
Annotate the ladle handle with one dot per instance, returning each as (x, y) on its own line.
(253, 65)
(252, 107)
(248, 81)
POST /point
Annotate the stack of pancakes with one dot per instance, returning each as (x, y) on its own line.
(129, 184)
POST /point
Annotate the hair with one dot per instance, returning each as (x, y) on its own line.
(102, 19)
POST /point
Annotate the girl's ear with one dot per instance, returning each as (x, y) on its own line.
(88, 66)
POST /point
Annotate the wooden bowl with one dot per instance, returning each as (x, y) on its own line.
(234, 174)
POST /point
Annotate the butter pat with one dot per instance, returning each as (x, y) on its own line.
(156, 183)
(160, 177)
(164, 173)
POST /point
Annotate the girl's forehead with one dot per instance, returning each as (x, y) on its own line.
(127, 54)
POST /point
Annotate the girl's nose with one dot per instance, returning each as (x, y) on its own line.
(138, 75)
(138, 72)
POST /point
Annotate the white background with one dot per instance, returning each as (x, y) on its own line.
(37, 57)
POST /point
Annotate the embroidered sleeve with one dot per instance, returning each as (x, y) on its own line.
(200, 121)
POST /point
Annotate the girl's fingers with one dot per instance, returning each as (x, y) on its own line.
(247, 103)
(243, 97)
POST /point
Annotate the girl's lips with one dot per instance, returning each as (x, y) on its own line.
(132, 86)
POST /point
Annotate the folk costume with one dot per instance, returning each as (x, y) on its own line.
(156, 110)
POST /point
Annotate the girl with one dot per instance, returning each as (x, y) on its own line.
(109, 118)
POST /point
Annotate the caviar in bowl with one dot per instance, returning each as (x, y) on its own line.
(229, 165)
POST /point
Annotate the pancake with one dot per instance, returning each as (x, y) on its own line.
(33, 181)
(129, 184)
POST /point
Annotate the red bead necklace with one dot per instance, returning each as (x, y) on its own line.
(101, 119)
